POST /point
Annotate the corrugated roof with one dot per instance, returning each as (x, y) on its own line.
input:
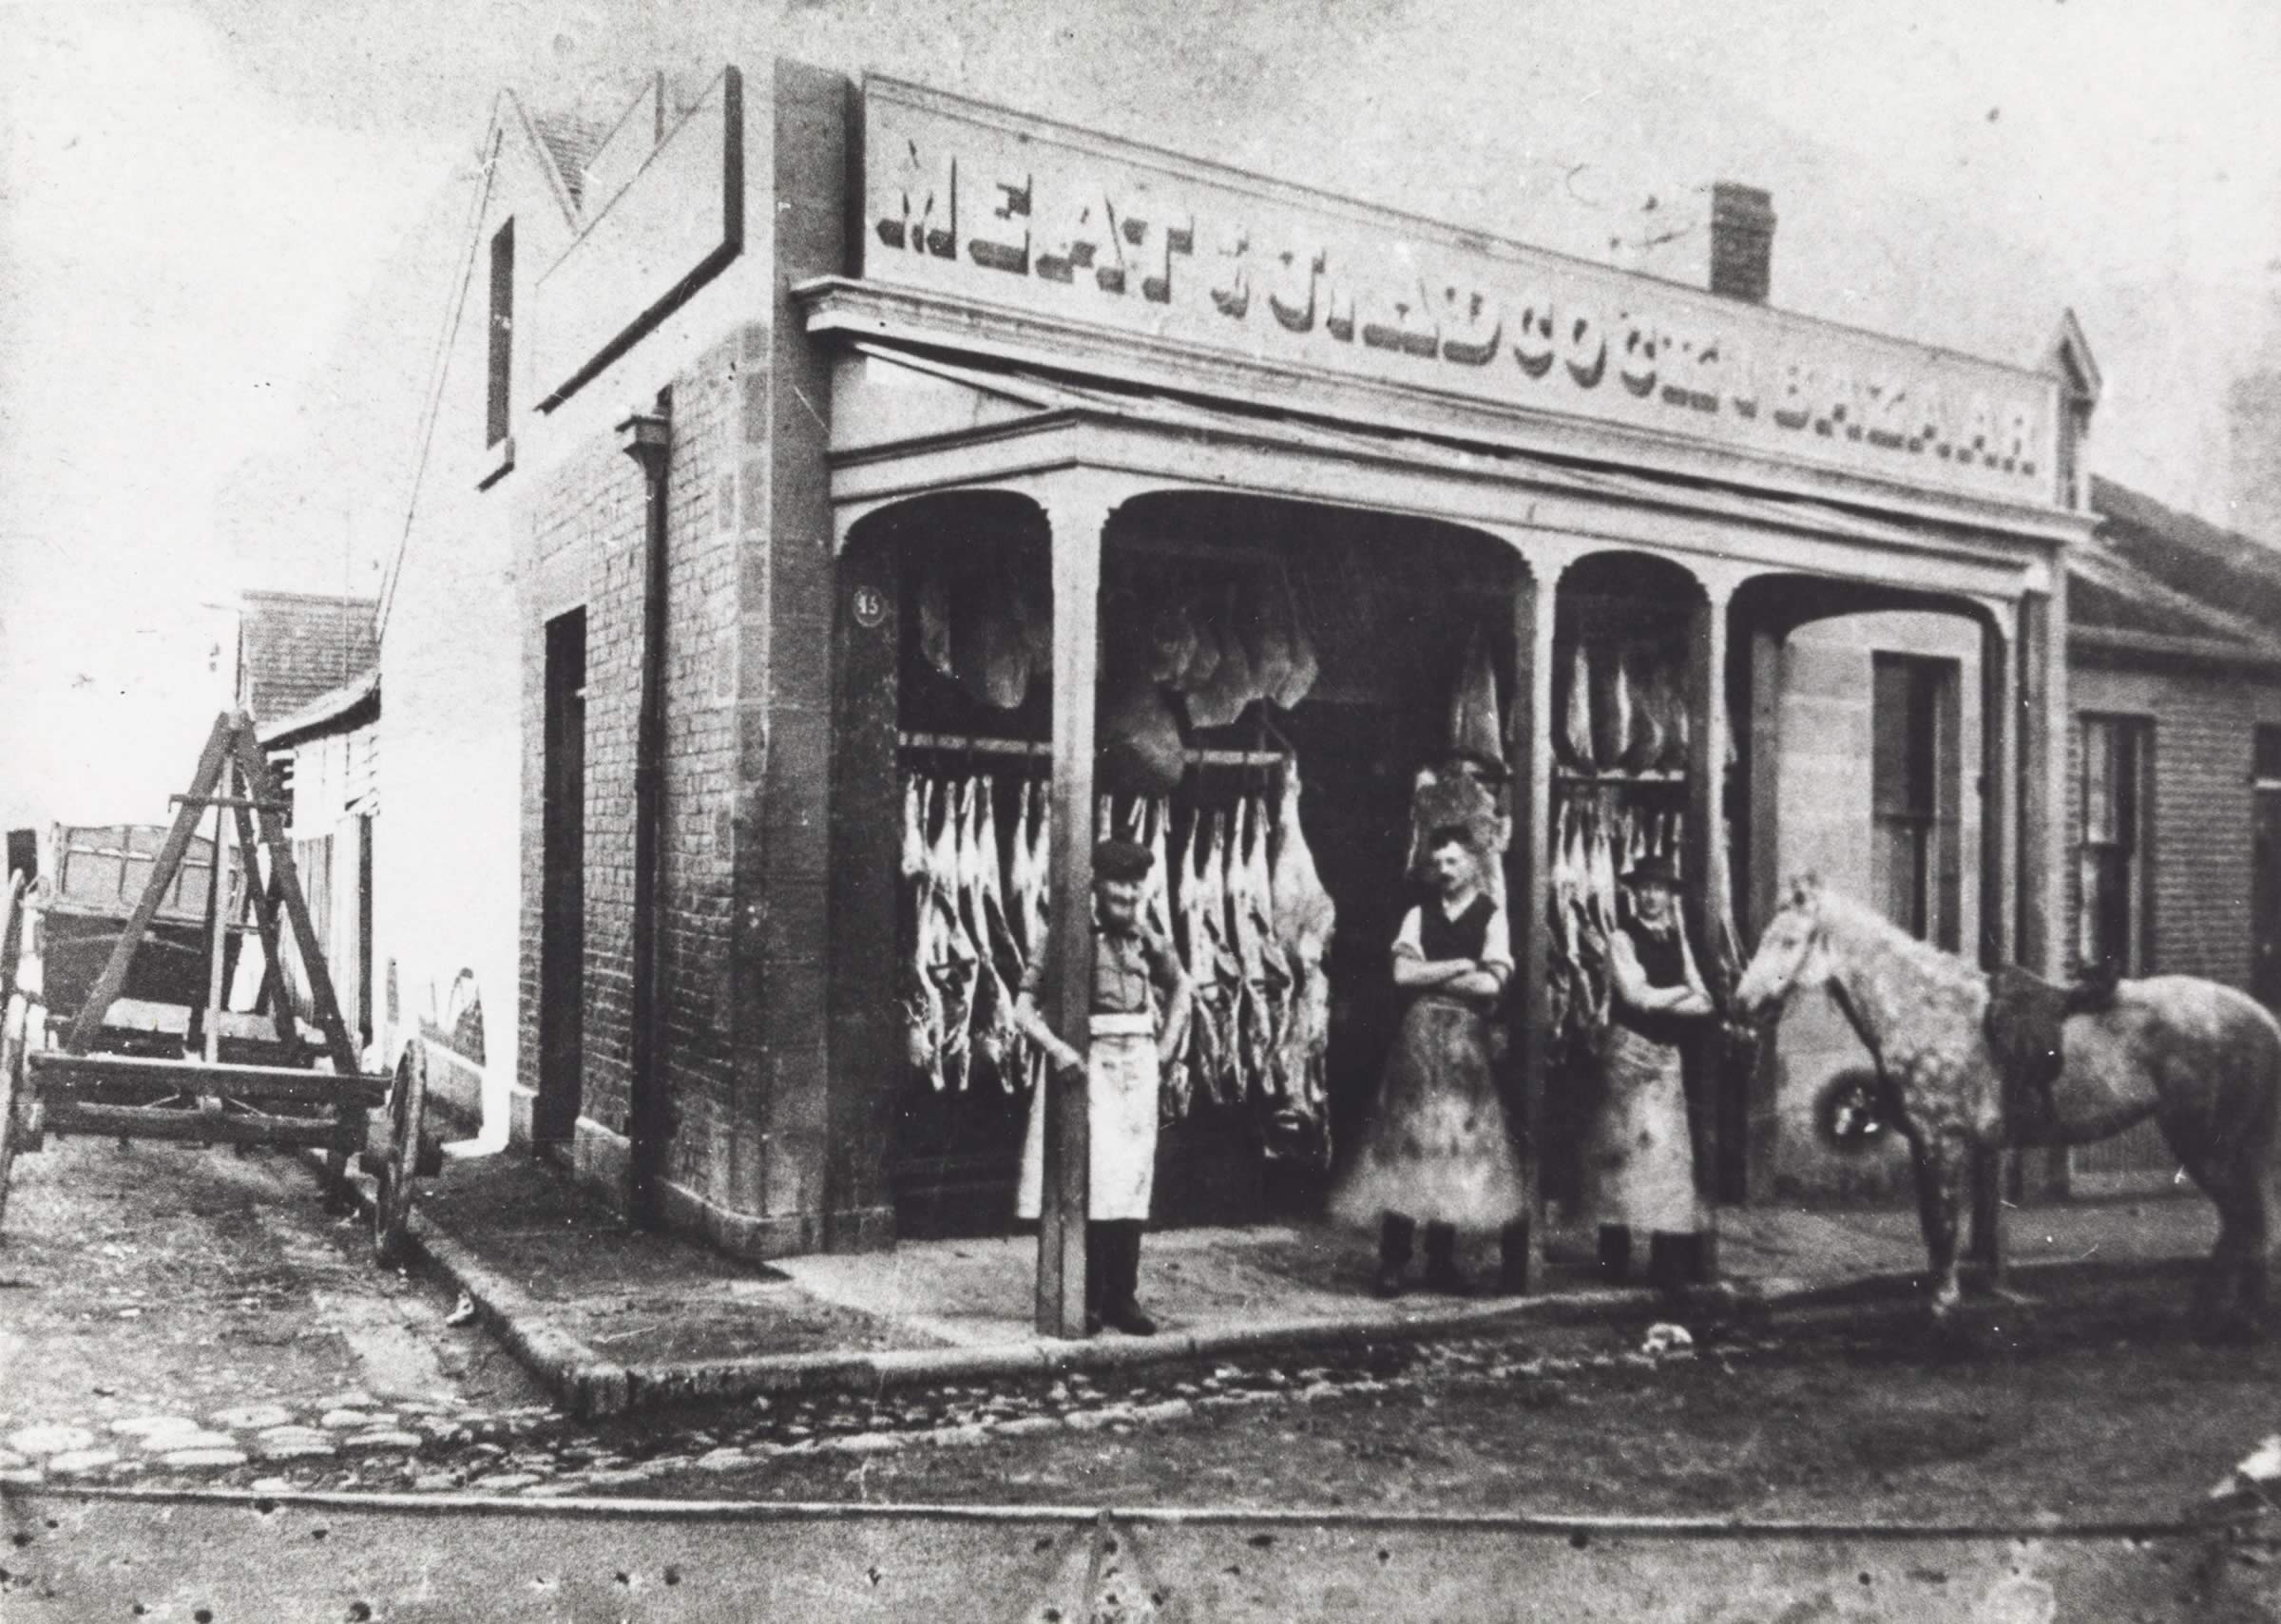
(295, 646)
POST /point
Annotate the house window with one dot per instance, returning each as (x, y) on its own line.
(1914, 795)
(503, 330)
(2111, 861)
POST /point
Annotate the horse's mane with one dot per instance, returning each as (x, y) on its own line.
(1859, 918)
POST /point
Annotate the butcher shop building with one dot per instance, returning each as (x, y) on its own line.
(838, 490)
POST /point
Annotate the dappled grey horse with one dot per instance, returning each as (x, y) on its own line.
(2202, 1060)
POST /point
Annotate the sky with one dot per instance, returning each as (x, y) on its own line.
(228, 231)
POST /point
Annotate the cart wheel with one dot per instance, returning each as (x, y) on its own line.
(407, 1107)
(14, 1042)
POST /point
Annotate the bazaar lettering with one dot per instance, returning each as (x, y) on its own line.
(1123, 247)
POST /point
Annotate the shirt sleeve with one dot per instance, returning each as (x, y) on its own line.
(1163, 965)
(1497, 942)
(1409, 939)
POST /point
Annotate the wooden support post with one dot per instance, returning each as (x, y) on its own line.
(217, 922)
(1706, 884)
(1985, 1250)
(1076, 523)
(1762, 765)
(1536, 598)
(2042, 756)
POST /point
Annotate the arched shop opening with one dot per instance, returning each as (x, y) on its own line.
(1273, 676)
(1630, 720)
(1875, 752)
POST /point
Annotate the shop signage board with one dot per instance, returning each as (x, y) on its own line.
(973, 201)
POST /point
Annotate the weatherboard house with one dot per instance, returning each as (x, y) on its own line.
(807, 452)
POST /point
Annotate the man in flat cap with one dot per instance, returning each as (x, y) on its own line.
(1140, 1009)
(1640, 1173)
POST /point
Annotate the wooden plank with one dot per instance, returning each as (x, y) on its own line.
(68, 1115)
(57, 1069)
(106, 986)
(1076, 551)
(267, 900)
(297, 905)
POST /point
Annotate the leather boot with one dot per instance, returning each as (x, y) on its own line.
(1675, 1260)
(1120, 1303)
(1615, 1254)
(1395, 1233)
(1097, 1272)
(1442, 1273)
(1513, 1259)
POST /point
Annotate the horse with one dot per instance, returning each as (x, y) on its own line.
(2203, 1059)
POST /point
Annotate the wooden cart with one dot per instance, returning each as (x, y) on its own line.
(56, 1079)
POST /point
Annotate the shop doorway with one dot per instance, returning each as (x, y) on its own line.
(1343, 637)
(563, 883)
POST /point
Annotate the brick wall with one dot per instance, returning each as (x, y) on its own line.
(696, 888)
(2203, 725)
(597, 499)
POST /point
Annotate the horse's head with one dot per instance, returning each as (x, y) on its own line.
(1789, 954)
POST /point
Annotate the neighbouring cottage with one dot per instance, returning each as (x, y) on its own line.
(839, 491)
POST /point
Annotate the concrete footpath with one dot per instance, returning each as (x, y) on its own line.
(612, 1320)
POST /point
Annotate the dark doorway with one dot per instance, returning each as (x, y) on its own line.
(2265, 875)
(563, 897)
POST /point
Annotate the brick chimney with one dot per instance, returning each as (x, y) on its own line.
(1742, 241)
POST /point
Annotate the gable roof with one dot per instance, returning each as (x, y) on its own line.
(294, 647)
(572, 142)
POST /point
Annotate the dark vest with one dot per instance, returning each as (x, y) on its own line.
(1661, 963)
(1465, 937)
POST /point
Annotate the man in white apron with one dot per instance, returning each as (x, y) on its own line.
(1139, 1008)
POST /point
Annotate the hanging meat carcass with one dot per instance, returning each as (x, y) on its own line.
(992, 1024)
(1141, 748)
(1219, 979)
(1576, 722)
(1037, 900)
(1203, 660)
(1612, 721)
(1217, 699)
(1304, 919)
(948, 955)
(1473, 727)
(1265, 638)
(934, 617)
(1005, 952)
(1172, 642)
(1650, 697)
(1192, 941)
(1262, 991)
(1299, 681)
(922, 1003)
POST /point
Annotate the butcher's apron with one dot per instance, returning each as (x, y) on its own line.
(1638, 1159)
(1437, 1148)
(1121, 1105)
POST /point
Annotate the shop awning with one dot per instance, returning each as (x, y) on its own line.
(1028, 390)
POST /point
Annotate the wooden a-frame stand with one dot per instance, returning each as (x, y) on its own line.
(203, 1100)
